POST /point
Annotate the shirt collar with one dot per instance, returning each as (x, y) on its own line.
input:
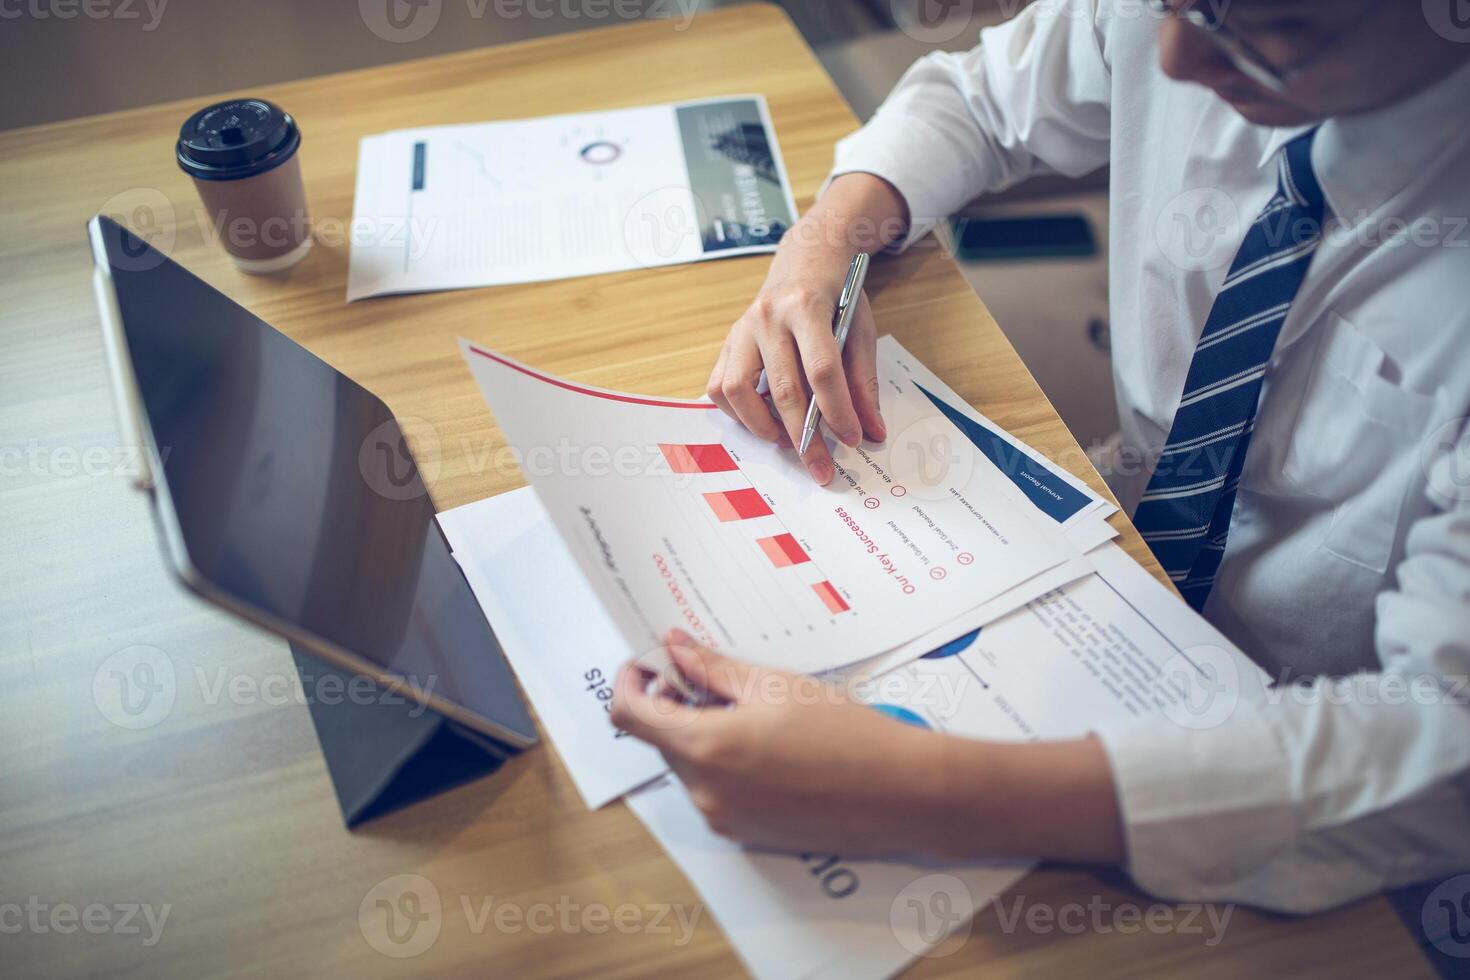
(1365, 159)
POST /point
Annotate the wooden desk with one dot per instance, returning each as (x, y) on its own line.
(223, 809)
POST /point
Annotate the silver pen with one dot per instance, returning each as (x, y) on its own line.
(841, 323)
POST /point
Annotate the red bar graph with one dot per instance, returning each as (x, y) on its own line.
(783, 550)
(712, 458)
(829, 597)
(738, 505)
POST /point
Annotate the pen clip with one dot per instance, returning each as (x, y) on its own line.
(849, 285)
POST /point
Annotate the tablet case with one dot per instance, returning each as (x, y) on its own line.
(384, 754)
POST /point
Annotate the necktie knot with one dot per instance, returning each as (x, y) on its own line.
(1297, 181)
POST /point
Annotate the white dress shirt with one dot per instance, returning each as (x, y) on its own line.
(1349, 548)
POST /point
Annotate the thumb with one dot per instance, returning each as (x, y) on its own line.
(724, 677)
(861, 354)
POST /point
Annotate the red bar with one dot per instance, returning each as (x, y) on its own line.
(829, 597)
(698, 459)
(783, 550)
(738, 505)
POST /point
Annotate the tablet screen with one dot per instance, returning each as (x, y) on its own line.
(295, 496)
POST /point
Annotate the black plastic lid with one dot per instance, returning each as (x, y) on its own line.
(235, 139)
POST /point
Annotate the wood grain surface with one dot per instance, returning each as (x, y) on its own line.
(222, 810)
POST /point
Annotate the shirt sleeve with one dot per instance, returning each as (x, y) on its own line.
(1033, 97)
(1313, 795)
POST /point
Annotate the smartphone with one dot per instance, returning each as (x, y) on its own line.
(1036, 237)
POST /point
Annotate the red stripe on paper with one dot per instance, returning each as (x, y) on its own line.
(613, 396)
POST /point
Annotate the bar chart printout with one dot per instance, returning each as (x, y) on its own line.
(738, 505)
(712, 458)
(783, 551)
(835, 603)
(727, 536)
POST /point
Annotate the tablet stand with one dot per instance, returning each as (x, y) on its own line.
(386, 753)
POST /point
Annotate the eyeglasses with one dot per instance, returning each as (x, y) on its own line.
(1244, 56)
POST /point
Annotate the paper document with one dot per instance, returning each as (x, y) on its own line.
(561, 643)
(788, 916)
(1116, 644)
(964, 627)
(679, 517)
(1055, 492)
(525, 578)
(526, 200)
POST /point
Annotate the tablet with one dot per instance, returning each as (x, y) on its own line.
(286, 493)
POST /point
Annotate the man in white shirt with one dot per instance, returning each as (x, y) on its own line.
(1326, 527)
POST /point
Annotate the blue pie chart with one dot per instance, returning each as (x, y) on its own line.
(902, 714)
(952, 647)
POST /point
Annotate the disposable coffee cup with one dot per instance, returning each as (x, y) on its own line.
(242, 156)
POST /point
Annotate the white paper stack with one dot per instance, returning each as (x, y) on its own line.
(1075, 638)
(527, 200)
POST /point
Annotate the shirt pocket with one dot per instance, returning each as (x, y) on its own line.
(1356, 444)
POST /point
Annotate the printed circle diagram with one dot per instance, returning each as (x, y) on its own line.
(953, 647)
(600, 152)
(902, 714)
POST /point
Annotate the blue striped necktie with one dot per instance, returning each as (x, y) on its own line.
(1184, 514)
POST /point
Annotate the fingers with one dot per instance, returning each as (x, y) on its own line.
(649, 716)
(724, 677)
(783, 377)
(862, 370)
(818, 460)
(787, 332)
(740, 371)
(713, 388)
(789, 396)
(822, 361)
